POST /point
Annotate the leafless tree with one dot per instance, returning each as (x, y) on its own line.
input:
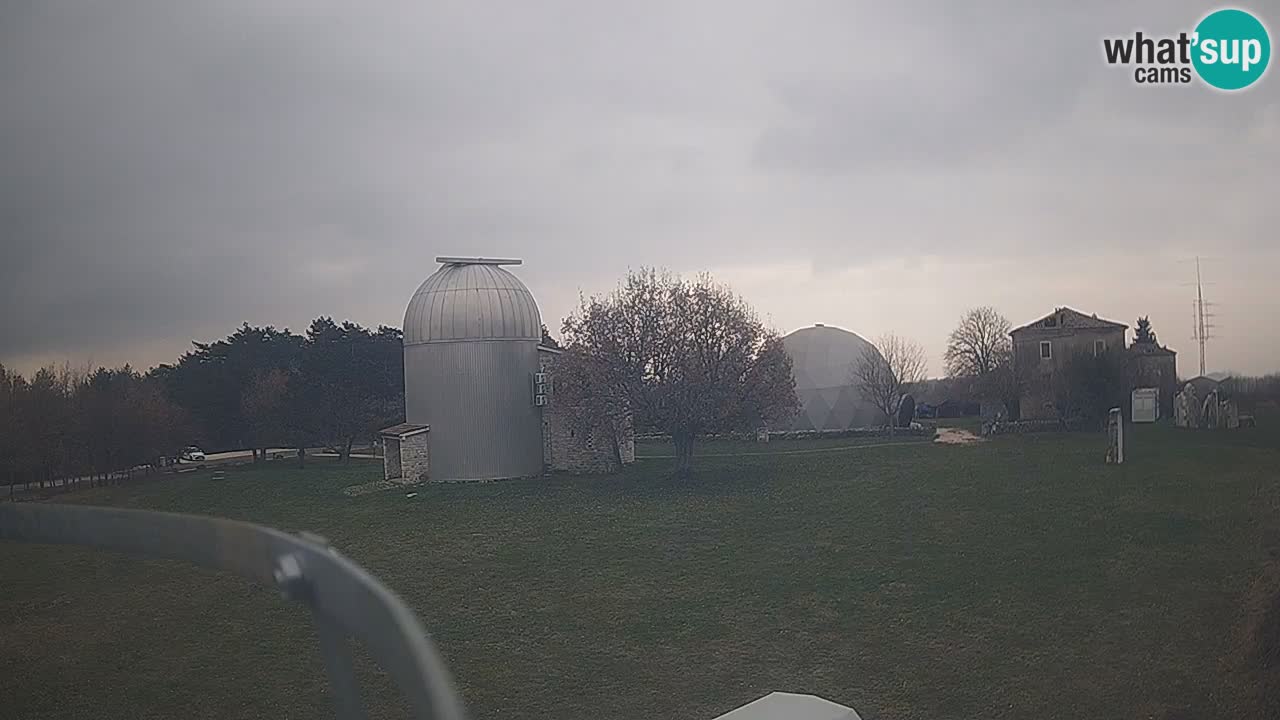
(15, 446)
(980, 347)
(979, 344)
(684, 357)
(592, 403)
(883, 376)
(1004, 383)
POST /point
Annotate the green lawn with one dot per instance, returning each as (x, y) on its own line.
(1019, 578)
(752, 448)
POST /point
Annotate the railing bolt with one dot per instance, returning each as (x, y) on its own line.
(289, 577)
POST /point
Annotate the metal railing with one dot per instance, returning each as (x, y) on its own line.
(344, 600)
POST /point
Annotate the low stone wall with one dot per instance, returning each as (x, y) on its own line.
(415, 458)
(920, 432)
(1022, 427)
(571, 445)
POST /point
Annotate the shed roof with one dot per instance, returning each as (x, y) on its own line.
(791, 706)
(1070, 319)
(1150, 348)
(403, 430)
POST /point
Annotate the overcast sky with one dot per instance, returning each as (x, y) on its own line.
(171, 169)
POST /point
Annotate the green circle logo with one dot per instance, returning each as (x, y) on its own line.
(1231, 49)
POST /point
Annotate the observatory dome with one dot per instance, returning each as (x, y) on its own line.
(471, 299)
(471, 334)
(822, 361)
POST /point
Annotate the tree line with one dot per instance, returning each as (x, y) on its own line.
(261, 387)
(61, 424)
(258, 388)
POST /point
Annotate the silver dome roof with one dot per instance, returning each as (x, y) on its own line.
(471, 299)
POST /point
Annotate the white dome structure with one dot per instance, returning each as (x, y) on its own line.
(471, 299)
(471, 334)
(822, 361)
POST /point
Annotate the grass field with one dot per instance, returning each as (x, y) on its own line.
(1020, 578)
(750, 448)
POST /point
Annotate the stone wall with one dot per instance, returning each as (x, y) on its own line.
(390, 458)
(572, 445)
(1038, 373)
(922, 432)
(569, 441)
(406, 458)
(415, 457)
(1022, 427)
(1154, 367)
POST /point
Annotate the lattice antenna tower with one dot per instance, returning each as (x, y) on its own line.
(1203, 325)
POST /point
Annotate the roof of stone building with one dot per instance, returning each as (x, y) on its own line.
(403, 430)
(1065, 318)
(791, 706)
(1150, 348)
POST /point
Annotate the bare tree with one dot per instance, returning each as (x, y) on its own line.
(979, 344)
(883, 376)
(980, 347)
(1004, 383)
(14, 444)
(684, 357)
(592, 402)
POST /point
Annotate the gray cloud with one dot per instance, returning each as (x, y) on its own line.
(168, 170)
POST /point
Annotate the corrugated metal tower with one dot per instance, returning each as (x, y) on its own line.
(471, 335)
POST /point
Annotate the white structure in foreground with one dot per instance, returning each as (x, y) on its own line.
(1146, 405)
(791, 706)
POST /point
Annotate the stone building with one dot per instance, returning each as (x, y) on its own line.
(1042, 349)
(1151, 365)
(405, 454)
(571, 442)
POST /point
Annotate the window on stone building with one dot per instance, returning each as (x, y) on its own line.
(1046, 350)
(1099, 347)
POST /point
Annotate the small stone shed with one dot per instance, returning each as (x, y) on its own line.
(405, 454)
(1152, 365)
